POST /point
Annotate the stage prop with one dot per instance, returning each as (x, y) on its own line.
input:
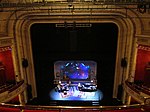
(75, 81)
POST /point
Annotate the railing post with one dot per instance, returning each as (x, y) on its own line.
(128, 99)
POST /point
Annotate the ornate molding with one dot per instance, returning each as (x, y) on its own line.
(12, 92)
(143, 39)
(6, 41)
(139, 96)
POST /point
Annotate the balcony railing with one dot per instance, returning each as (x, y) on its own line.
(30, 108)
(11, 91)
(144, 105)
(139, 93)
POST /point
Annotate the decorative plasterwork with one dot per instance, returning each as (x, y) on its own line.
(9, 95)
(6, 41)
(143, 39)
(139, 96)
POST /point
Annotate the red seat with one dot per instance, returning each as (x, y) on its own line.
(4, 109)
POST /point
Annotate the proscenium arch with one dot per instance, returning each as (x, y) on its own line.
(24, 47)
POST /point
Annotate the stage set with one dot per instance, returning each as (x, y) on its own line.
(75, 81)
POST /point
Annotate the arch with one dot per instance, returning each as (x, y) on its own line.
(20, 30)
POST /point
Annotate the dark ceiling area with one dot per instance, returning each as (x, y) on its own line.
(50, 44)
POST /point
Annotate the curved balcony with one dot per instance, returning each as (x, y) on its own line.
(31, 108)
(11, 90)
(140, 93)
(20, 86)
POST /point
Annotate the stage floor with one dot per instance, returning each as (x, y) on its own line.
(75, 95)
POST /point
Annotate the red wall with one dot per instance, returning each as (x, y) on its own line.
(143, 57)
(6, 59)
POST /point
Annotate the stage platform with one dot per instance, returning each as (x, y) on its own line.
(76, 97)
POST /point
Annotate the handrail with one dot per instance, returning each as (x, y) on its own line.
(144, 90)
(100, 108)
(12, 92)
(16, 86)
(137, 88)
(130, 85)
(39, 107)
(6, 87)
(138, 94)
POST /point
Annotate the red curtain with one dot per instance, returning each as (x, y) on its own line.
(143, 58)
(7, 61)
